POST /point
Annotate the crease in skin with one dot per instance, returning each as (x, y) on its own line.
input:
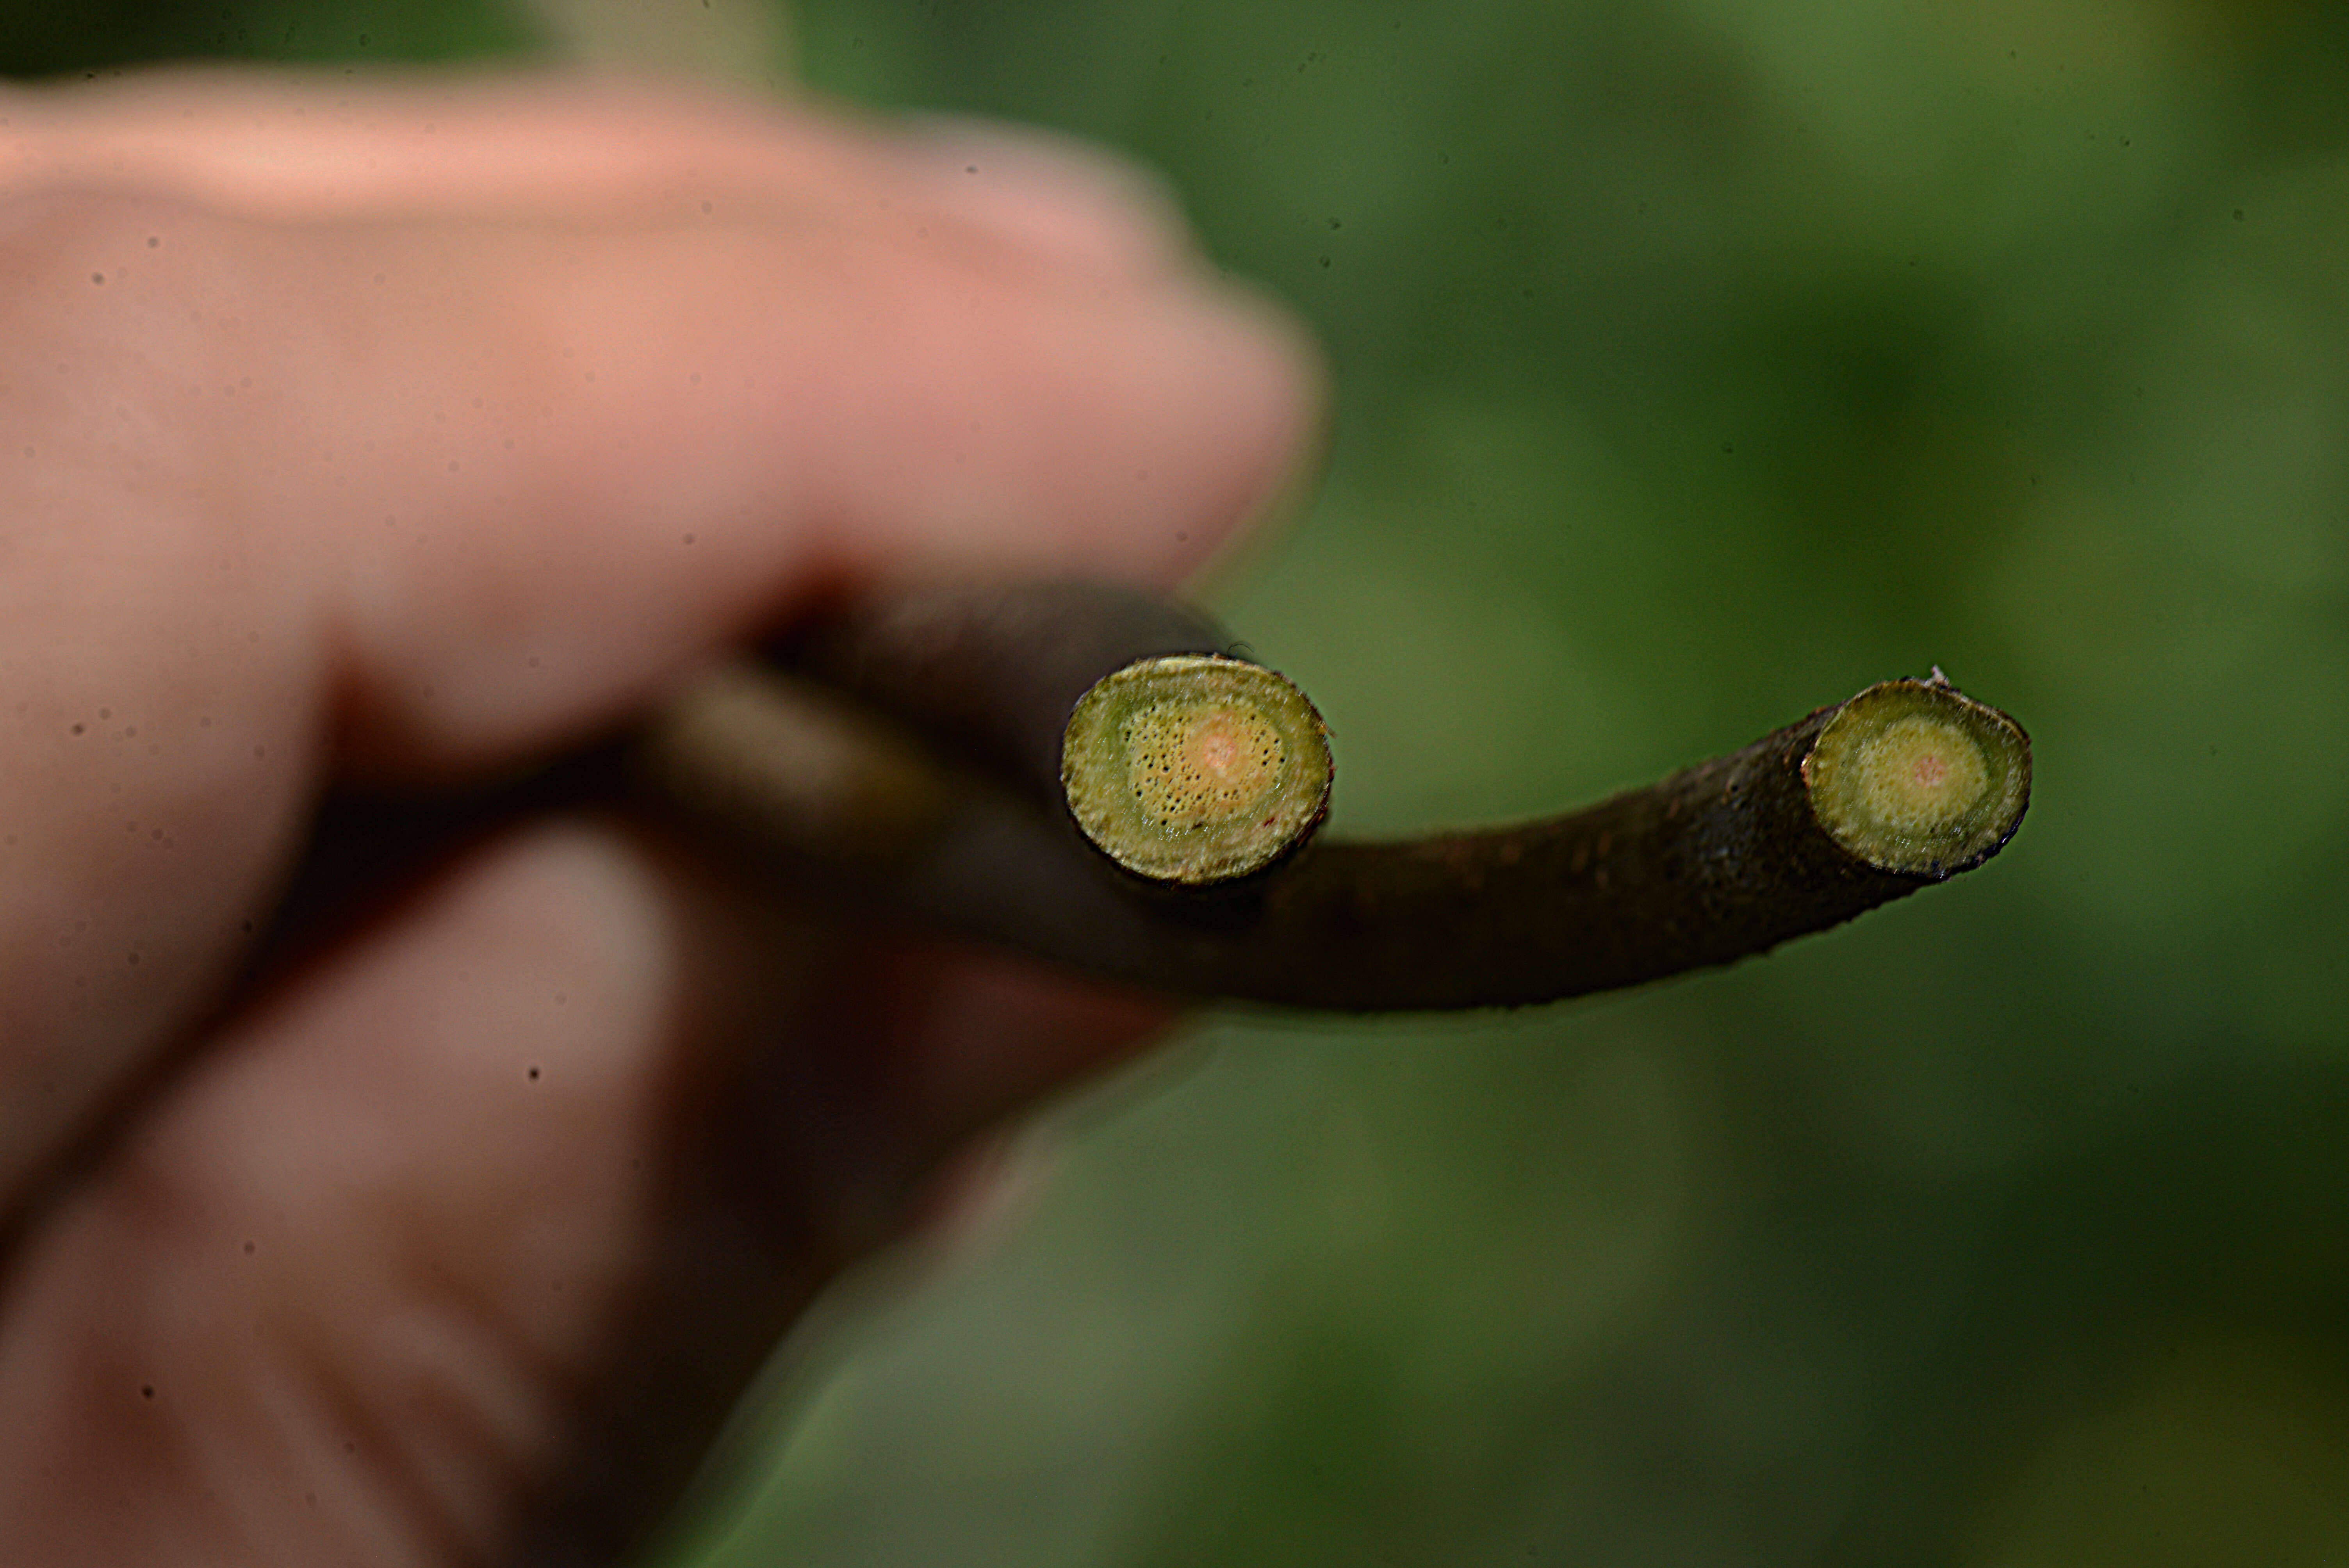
(440, 1377)
(359, 1507)
(218, 1414)
(317, 1495)
(471, 1413)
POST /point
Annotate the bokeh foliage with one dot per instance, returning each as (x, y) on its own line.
(1697, 362)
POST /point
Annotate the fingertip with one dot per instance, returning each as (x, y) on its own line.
(1239, 415)
(1063, 201)
(1277, 392)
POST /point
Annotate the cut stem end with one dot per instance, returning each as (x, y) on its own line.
(1915, 777)
(1193, 769)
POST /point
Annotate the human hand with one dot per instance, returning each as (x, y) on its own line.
(401, 432)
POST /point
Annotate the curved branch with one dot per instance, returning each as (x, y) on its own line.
(909, 763)
(1721, 861)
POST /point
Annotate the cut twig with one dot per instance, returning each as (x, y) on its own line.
(1907, 784)
(907, 760)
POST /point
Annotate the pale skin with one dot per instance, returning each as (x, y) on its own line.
(400, 431)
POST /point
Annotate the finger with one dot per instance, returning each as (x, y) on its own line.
(309, 148)
(456, 1250)
(424, 498)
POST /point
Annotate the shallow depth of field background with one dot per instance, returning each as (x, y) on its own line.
(1697, 363)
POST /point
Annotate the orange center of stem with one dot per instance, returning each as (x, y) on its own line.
(1214, 748)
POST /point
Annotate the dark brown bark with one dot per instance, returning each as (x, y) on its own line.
(917, 780)
(990, 670)
(1714, 863)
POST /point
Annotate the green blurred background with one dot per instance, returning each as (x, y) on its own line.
(1697, 363)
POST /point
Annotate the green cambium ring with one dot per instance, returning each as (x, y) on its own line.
(1193, 770)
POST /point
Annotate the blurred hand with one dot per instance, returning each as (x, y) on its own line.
(401, 432)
